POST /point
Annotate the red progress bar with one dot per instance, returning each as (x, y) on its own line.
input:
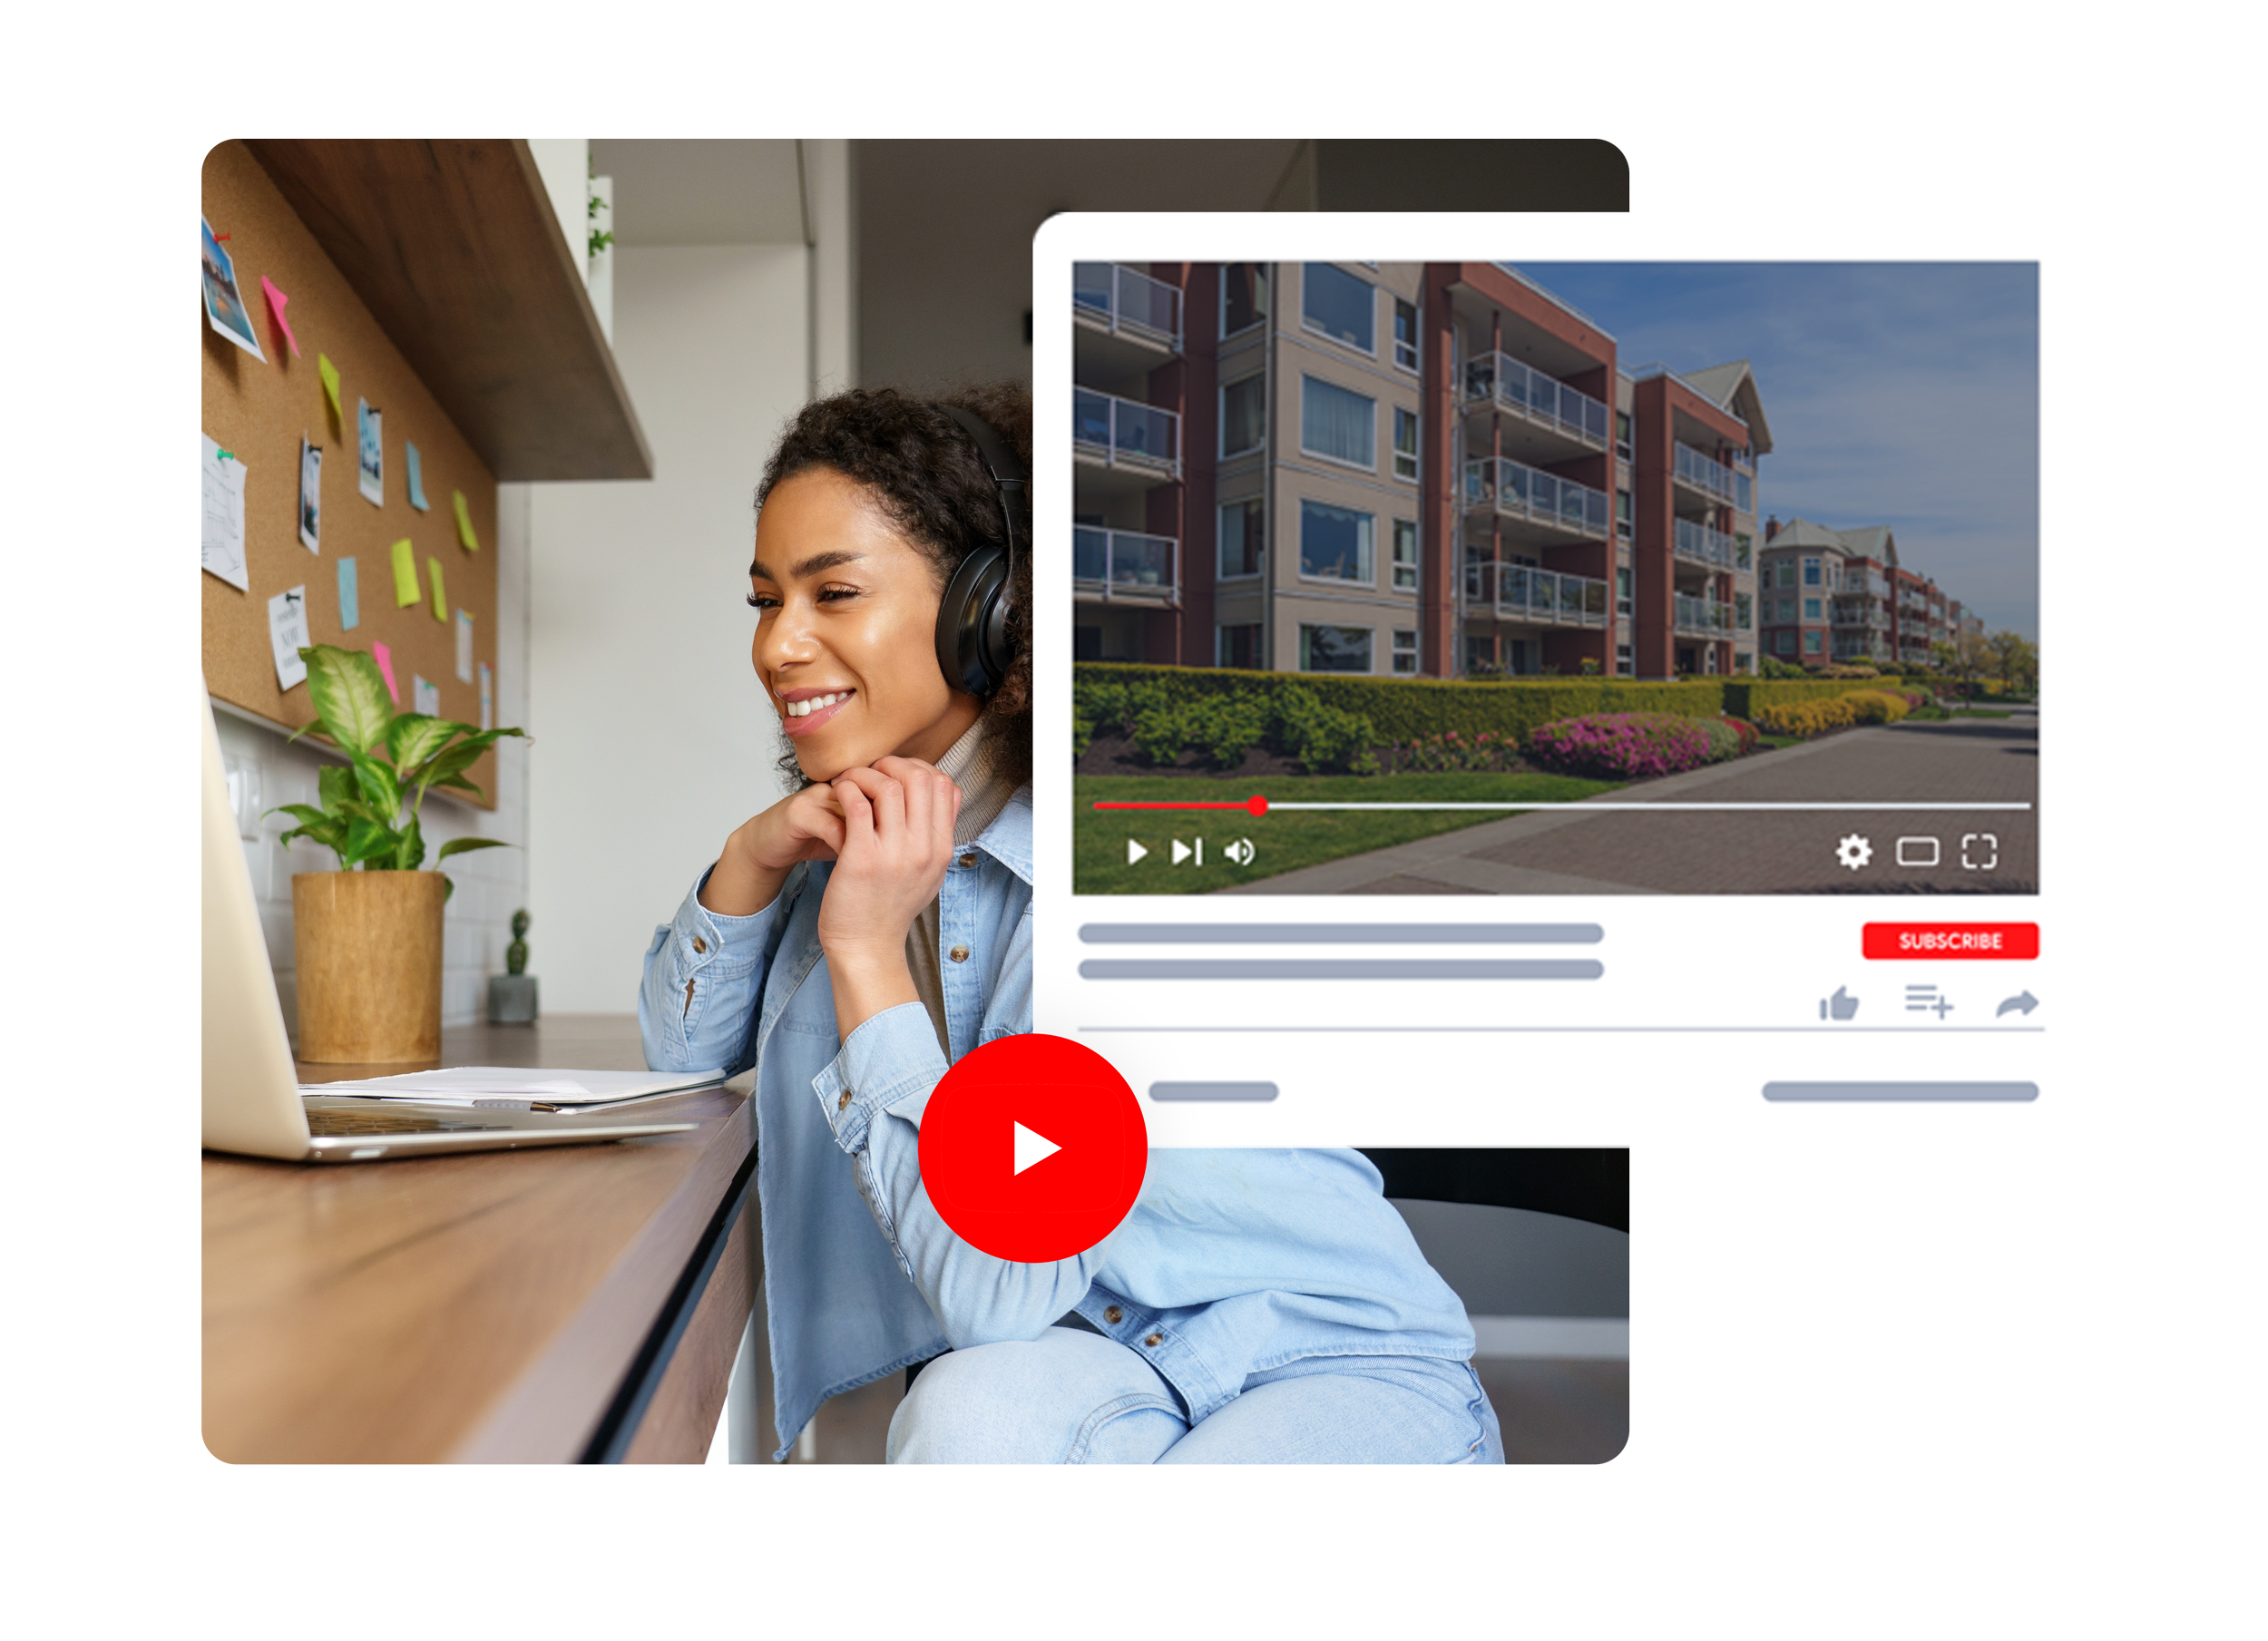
(1254, 804)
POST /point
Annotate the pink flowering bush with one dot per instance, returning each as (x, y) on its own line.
(1631, 746)
(1452, 751)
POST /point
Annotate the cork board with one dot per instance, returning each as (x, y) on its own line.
(260, 411)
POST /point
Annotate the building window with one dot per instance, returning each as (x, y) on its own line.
(1783, 642)
(1405, 563)
(1340, 306)
(1406, 334)
(1810, 641)
(1622, 434)
(1243, 414)
(1743, 661)
(1405, 445)
(1243, 533)
(1740, 552)
(1811, 572)
(1744, 612)
(1626, 660)
(1337, 423)
(1810, 609)
(1333, 649)
(1335, 543)
(1480, 657)
(1237, 646)
(1623, 514)
(1623, 602)
(1787, 572)
(1405, 649)
(1086, 643)
(1243, 297)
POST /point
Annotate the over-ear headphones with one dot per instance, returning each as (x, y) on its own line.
(972, 618)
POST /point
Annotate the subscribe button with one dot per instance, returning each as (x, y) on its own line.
(2003, 943)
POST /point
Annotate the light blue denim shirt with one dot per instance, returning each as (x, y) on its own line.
(1234, 1262)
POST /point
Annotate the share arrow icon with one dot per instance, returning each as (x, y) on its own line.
(2024, 1000)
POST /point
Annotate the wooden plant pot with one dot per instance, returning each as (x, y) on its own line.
(368, 945)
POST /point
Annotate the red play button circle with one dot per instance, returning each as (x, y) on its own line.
(1033, 1148)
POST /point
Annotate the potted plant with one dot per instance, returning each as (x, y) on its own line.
(366, 938)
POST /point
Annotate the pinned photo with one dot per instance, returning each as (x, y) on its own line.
(288, 635)
(310, 495)
(370, 437)
(224, 303)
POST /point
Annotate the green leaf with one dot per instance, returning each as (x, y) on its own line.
(379, 788)
(410, 853)
(368, 840)
(334, 785)
(448, 887)
(461, 784)
(414, 738)
(458, 845)
(349, 696)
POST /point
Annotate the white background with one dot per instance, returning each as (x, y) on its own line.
(1898, 1370)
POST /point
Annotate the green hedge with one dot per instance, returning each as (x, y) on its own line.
(1743, 696)
(1402, 709)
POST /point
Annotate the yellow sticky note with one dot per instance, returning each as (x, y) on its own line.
(329, 373)
(440, 598)
(405, 574)
(470, 542)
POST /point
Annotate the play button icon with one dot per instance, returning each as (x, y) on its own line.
(1033, 1148)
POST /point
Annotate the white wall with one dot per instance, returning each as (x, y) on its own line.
(564, 164)
(652, 738)
(265, 770)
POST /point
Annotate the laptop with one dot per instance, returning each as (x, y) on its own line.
(253, 1102)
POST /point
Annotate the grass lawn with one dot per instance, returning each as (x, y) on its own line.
(1282, 842)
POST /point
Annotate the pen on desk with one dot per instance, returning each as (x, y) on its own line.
(515, 1105)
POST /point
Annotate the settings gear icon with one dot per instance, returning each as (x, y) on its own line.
(1854, 852)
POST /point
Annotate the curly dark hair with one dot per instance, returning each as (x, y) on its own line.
(923, 468)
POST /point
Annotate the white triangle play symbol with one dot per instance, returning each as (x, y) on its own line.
(1031, 1149)
(1134, 852)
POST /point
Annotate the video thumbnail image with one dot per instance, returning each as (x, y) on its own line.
(1477, 577)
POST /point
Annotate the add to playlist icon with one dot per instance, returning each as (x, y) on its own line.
(1033, 1148)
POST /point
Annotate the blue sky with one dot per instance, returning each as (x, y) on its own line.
(1898, 393)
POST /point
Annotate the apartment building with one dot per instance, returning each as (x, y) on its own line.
(1842, 596)
(1418, 470)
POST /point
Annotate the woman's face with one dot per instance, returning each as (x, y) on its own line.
(846, 633)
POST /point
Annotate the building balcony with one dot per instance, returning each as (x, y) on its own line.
(1125, 567)
(1545, 508)
(1708, 477)
(1699, 544)
(1132, 444)
(1500, 382)
(1543, 598)
(1701, 618)
(1122, 320)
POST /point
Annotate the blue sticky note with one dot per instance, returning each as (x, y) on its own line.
(417, 481)
(349, 609)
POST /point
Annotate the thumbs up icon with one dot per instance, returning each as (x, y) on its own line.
(1840, 1006)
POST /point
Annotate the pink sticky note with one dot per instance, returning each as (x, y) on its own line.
(384, 657)
(276, 300)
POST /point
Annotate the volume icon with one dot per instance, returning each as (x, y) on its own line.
(1239, 852)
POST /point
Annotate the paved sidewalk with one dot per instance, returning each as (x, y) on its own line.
(1575, 851)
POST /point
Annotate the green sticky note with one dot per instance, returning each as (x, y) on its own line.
(440, 598)
(405, 591)
(470, 542)
(329, 373)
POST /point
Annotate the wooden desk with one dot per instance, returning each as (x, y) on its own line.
(546, 1305)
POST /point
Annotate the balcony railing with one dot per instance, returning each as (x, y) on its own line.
(1128, 302)
(1520, 491)
(1500, 379)
(1703, 545)
(1706, 474)
(1518, 592)
(1707, 616)
(1120, 433)
(1124, 566)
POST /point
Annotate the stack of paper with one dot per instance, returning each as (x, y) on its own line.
(475, 1084)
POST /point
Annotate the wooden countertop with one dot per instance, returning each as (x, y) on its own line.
(482, 1306)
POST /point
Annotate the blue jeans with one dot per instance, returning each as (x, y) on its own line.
(1072, 1397)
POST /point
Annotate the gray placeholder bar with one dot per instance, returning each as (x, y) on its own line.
(1328, 967)
(1340, 934)
(1212, 1090)
(1902, 1091)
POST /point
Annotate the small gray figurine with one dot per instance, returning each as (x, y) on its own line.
(511, 994)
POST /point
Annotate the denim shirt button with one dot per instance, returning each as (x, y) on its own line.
(843, 1104)
(1112, 1313)
(969, 859)
(1154, 1340)
(959, 955)
(699, 945)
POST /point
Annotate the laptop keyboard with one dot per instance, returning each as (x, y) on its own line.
(328, 1122)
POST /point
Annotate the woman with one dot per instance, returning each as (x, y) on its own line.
(859, 935)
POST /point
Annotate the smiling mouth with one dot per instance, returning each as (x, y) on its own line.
(801, 717)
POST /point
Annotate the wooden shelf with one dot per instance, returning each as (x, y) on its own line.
(456, 251)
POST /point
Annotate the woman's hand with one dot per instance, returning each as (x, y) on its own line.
(895, 843)
(807, 825)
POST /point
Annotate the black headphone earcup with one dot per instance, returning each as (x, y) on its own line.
(973, 622)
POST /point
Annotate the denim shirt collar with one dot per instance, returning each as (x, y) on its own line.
(1008, 839)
